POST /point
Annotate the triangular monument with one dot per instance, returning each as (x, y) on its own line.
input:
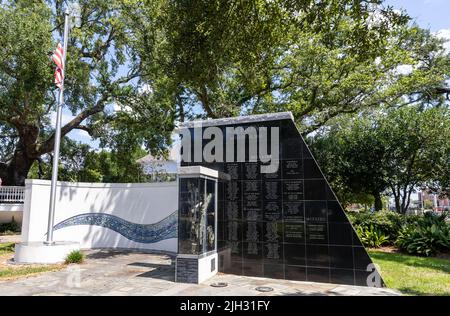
(285, 222)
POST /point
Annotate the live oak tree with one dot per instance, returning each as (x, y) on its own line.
(102, 72)
(157, 61)
(394, 151)
(80, 163)
(318, 59)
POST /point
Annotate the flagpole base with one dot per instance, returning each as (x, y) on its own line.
(39, 252)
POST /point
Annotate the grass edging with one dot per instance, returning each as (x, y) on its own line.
(413, 275)
(12, 272)
(27, 271)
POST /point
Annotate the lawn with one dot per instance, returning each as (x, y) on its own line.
(6, 248)
(12, 272)
(413, 275)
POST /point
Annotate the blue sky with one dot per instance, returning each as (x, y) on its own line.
(429, 14)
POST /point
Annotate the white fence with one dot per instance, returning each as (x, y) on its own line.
(12, 194)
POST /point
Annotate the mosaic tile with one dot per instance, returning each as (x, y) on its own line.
(143, 233)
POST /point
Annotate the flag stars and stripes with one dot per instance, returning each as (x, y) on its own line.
(58, 59)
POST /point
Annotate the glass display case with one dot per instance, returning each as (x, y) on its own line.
(197, 215)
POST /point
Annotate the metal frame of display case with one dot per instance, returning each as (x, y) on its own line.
(199, 266)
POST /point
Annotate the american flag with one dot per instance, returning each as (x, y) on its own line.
(58, 59)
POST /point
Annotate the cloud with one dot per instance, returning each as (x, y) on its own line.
(377, 61)
(404, 70)
(66, 117)
(115, 107)
(445, 35)
(145, 88)
(83, 137)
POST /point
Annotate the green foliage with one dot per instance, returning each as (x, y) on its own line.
(395, 151)
(158, 61)
(6, 248)
(415, 234)
(387, 222)
(318, 60)
(75, 256)
(372, 237)
(428, 236)
(102, 72)
(79, 163)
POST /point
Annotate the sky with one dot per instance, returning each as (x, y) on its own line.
(429, 14)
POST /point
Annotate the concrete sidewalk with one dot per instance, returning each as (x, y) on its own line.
(111, 272)
(10, 238)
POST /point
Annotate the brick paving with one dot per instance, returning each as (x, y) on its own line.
(117, 272)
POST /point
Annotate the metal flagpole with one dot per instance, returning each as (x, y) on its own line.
(51, 212)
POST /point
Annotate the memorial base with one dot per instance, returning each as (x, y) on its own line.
(195, 269)
(40, 253)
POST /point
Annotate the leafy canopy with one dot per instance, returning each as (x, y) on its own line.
(395, 151)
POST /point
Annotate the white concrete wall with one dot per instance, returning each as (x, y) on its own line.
(10, 211)
(137, 203)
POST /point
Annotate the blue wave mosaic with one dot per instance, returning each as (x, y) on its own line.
(143, 233)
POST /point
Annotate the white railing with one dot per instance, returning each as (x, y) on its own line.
(12, 194)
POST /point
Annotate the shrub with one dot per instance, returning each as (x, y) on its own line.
(6, 248)
(427, 236)
(385, 222)
(10, 228)
(372, 237)
(75, 256)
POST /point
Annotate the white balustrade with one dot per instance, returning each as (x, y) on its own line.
(12, 194)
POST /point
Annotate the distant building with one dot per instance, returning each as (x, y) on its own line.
(438, 204)
(423, 200)
(161, 169)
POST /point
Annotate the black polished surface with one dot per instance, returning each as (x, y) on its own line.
(287, 224)
(196, 216)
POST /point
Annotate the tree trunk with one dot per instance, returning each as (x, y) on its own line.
(378, 202)
(396, 194)
(406, 199)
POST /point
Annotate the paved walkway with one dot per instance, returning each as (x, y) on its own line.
(9, 238)
(112, 272)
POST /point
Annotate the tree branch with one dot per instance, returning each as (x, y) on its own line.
(47, 146)
(203, 97)
(84, 128)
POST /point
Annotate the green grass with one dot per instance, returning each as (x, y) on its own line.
(413, 275)
(12, 272)
(8, 273)
(6, 248)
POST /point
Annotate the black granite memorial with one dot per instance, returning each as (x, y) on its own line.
(284, 224)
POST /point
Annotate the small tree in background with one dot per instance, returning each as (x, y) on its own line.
(80, 163)
(395, 151)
